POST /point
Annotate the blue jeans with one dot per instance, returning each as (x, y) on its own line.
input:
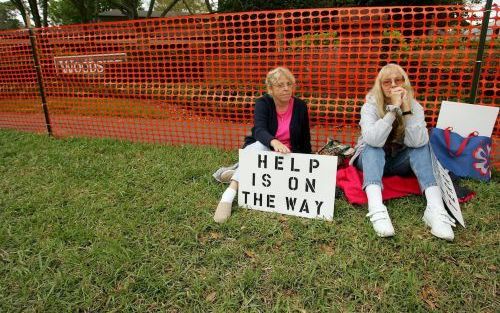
(374, 163)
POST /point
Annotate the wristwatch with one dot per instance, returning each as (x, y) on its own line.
(407, 112)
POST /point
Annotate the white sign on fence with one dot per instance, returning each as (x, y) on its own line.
(87, 64)
(450, 198)
(294, 184)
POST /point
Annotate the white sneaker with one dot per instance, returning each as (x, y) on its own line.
(439, 221)
(224, 174)
(225, 177)
(381, 221)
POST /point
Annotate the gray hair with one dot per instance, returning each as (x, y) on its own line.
(274, 74)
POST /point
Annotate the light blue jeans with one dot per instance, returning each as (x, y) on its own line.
(375, 163)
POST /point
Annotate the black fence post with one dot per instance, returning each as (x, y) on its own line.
(480, 51)
(39, 77)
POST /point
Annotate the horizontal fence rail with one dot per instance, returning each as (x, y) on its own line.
(194, 79)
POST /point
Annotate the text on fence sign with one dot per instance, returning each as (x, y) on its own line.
(87, 64)
(295, 184)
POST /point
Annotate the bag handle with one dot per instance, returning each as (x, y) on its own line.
(463, 144)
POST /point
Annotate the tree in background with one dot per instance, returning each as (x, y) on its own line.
(34, 7)
(76, 11)
(8, 18)
(72, 11)
(84, 11)
(151, 7)
(130, 8)
(255, 5)
(184, 6)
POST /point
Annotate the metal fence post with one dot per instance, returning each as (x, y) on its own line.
(480, 51)
(39, 76)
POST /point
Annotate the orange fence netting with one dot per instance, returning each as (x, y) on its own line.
(194, 79)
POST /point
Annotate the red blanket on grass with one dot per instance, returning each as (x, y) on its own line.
(350, 180)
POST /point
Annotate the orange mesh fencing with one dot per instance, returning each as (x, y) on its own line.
(194, 79)
(20, 102)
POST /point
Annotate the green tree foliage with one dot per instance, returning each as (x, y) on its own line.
(255, 5)
(76, 11)
(85, 11)
(8, 18)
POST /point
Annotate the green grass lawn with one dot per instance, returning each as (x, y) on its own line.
(110, 226)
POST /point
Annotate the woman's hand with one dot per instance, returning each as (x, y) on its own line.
(279, 147)
(406, 105)
(397, 96)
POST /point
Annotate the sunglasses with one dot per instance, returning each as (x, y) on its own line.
(397, 81)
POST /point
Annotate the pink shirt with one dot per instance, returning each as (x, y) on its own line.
(283, 132)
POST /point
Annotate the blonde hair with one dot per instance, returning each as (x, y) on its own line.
(274, 74)
(381, 100)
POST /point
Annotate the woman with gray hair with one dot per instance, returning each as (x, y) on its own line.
(281, 124)
(394, 141)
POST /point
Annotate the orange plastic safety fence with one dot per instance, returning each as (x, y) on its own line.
(194, 79)
(20, 103)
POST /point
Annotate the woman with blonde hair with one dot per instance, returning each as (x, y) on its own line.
(394, 141)
(281, 124)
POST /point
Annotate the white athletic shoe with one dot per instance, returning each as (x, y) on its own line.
(381, 221)
(439, 221)
(224, 174)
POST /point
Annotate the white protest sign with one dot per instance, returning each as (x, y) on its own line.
(448, 191)
(467, 118)
(294, 184)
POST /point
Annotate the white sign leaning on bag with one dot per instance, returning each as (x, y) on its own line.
(467, 118)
